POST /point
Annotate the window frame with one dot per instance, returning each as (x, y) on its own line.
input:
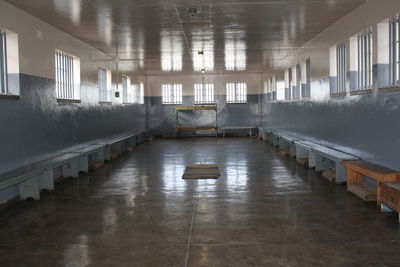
(127, 90)
(206, 93)
(341, 67)
(65, 76)
(394, 39)
(104, 91)
(365, 54)
(3, 64)
(234, 93)
(171, 94)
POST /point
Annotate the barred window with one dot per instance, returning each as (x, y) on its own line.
(65, 76)
(365, 60)
(395, 50)
(104, 90)
(341, 67)
(3, 64)
(141, 93)
(128, 96)
(236, 93)
(171, 94)
(204, 93)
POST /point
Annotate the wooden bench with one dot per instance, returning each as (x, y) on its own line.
(389, 196)
(249, 128)
(358, 170)
(330, 161)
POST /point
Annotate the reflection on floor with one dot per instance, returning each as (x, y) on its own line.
(138, 211)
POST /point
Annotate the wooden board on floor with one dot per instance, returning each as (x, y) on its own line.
(201, 171)
(285, 153)
(303, 161)
(329, 175)
(363, 191)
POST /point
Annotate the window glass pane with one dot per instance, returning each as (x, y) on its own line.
(236, 93)
(203, 93)
(171, 94)
(64, 75)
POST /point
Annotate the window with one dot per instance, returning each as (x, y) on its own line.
(365, 60)
(270, 89)
(128, 96)
(203, 93)
(3, 64)
(66, 78)
(297, 82)
(104, 85)
(306, 74)
(289, 79)
(236, 93)
(395, 50)
(141, 93)
(341, 67)
(138, 92)
(171, 94)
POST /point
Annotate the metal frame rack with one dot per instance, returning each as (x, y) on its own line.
(178, 127)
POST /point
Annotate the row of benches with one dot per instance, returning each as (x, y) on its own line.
(33, 178)
(364, 179)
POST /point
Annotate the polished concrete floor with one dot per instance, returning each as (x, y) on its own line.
(264, 210)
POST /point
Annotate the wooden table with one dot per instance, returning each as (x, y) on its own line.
(356, 170)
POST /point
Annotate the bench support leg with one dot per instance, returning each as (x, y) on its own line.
(292, 150)
(30, 189)
(107, 153)
(83, 164)
(46, 180)
(71, 169)
(311, 160)
(323, 164)
(340, 173)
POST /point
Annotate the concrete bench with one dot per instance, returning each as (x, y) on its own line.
(304, 153)
(328, 159)
(33, 178)
(287, 144)
(88, 155)
(275, 137)
(356, 183)
(118, 145)
(249, 128)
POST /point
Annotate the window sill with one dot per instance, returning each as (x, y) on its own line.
(105, 103)
(389, 89)
(172, 104)
(244, 103)
(205, 104)
(339, 95)
(9, 97)
(71, 101)
(361, 92)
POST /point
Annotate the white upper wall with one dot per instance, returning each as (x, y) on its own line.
(367, 15)
(254, 82)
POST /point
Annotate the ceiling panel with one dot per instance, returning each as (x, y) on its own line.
(160, 36)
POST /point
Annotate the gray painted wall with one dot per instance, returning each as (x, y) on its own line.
(162, 119)
(37, 125)
(367, 126)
